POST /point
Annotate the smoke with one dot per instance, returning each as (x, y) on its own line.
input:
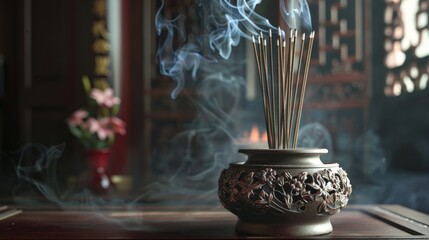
(296, 14)
(37, 165)
(206, 61)
(209, 56)
(36, 170)
(225, 23)
(190, 163)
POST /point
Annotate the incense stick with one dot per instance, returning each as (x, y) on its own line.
(273, 105)
(279, 81)
(297, 85)
(258, 63)
(266, 90)
(283, 92)
(268, 94)
(304, 84)
(279, 92)
(291, 59)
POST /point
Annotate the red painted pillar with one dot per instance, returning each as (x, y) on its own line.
(120, 153)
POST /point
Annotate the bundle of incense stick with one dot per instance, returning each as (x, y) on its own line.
(283, 65)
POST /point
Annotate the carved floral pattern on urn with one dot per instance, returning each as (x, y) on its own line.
(265, 191)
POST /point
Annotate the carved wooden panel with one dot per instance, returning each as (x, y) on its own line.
(337, 94)
(340, 44)
(406, 44)
(340, 69)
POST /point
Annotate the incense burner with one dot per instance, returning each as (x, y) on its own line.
(284, 192)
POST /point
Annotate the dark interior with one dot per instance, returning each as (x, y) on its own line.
(368, 108)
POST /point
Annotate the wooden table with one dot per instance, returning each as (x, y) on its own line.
(353, 222)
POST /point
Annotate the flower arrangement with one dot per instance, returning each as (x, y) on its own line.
(97, 125)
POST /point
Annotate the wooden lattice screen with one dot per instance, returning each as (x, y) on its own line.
(340, 66)
(406, 44)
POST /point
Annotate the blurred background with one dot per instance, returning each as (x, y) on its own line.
(366, 100)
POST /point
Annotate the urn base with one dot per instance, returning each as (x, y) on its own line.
(320, 227)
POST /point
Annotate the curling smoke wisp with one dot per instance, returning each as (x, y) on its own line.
(225, 23)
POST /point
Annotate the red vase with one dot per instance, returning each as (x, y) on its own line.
(99, 179)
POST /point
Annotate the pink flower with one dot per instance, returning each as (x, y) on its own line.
(104, 98)
(77, 117)
(106, 127)
(118, 126)
(96, 126)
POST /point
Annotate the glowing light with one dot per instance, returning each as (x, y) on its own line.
(254, 134)
(396, 57)
(423, 81)
(422, 20)
(264, 137)
(398, 32)
(397, 89)
(422, 50)
(409, 85)
(414, 72)
(410, 34)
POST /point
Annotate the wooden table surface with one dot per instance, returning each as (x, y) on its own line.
(366, 221)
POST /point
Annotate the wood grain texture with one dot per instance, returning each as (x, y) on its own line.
(354, 222)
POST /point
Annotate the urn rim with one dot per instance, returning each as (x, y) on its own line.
(283, 151)
(283, 166)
